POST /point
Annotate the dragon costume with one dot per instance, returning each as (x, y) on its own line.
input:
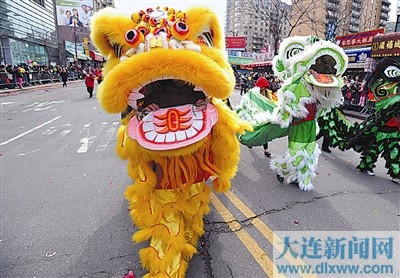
(380, 132)
(311, 69)
(174, 61)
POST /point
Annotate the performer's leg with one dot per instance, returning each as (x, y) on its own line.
(172, 219)
(299, 163)
(369, 158)
(266, 152)
(391, 153)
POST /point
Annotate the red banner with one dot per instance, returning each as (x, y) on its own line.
(358, 39)
(238, 43)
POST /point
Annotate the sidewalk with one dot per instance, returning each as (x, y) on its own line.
(37, 87)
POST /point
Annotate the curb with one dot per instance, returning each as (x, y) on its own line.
(355, 115)
(37, 87)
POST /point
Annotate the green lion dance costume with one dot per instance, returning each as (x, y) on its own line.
(380, 133)
(171, 68)
(311, 70)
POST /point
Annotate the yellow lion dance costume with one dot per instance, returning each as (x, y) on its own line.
(169, 59)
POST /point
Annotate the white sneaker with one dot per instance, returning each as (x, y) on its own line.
(396, 180)
(368, 172)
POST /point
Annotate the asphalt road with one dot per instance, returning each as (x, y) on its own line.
(63, 213)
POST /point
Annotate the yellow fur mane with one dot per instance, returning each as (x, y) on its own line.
(171, 218)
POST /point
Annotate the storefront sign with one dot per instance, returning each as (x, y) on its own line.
(70, 47)
(96, 56)
(358, 39)
(238, 43)
(358, 55)
(387, 45)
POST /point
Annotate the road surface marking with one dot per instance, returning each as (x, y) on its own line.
(65, 132)
(29, 105)
(265, 230)
(106, 140)
(86, 143)
(49, 131)
(85, 127)
(4, 103)
(29, 131)
(22, 154)
(254, 249)
(43, 108)
(29, 109)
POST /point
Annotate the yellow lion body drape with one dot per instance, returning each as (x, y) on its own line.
(168, 208)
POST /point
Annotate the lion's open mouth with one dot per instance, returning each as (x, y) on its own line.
(323, 72)
(184, 116)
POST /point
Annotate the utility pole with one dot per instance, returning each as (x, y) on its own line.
(76, 47)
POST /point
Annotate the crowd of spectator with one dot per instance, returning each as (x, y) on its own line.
(22, 75)
(355, 92)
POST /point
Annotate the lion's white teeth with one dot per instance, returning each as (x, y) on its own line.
(197, 115)
(170, 137)
(160, 138)
(198, 124)
(191, 132)
(180, 136)
(150, 135)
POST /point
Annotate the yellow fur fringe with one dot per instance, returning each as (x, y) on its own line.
(173, 221)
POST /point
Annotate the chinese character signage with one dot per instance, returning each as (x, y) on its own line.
(387, 45)
(358, 39)
(238, 43)
(358, 55)
(336, 253)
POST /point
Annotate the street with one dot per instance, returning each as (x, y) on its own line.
(63, 212)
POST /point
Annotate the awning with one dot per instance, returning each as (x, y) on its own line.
(239, 60)
(96, 56)
(81, 56)
(257, 64)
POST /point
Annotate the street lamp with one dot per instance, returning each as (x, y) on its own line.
(76, 47)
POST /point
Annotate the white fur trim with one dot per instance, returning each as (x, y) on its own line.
(293, 173)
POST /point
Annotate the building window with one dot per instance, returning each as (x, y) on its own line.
(39, 2)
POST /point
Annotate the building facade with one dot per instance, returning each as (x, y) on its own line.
(28, 32)
(397, 26)
(338, 17)
(260, 21)
(73, 29)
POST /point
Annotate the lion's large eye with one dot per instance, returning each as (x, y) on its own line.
(392, 72)
(134, 37)
(293, 52)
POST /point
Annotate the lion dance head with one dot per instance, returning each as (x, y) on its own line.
(175, 63)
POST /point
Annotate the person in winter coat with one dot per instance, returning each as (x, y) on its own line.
(89, 82)
(18, 76)
(64, 77)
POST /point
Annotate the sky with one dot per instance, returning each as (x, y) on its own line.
(218, 6)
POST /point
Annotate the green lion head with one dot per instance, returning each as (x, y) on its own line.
(385, 82)
(320, 62)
